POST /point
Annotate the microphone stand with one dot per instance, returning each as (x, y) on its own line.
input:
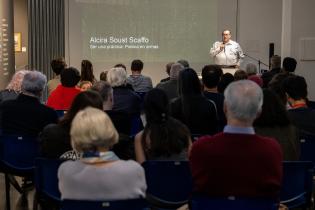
(258, 60)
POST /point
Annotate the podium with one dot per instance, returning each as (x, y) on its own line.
(229, 69)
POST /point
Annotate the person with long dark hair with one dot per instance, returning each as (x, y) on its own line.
(55, 138)
(274, 122)
(87, 71)
(163, 137)
(191, 107)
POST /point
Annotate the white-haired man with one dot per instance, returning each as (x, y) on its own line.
(26, 115)
(238, 162)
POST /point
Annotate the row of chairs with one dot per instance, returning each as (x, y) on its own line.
(169, 182)
(175, 189)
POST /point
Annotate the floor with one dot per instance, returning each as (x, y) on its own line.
(18, 202)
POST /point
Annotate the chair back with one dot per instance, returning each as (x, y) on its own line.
(231, 203)
(297, 184)
(46, 180)
(60, 113)
(126, 123)
(168, 180)
(311, 104)
(136, 124)
(18, 153)
(132, 204)
(307, 143)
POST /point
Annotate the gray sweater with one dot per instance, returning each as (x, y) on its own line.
(140, 83)
(120, 180)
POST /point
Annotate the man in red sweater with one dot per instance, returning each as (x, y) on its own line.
(238, 162)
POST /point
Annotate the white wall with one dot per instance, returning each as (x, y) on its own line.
(303, 26)
(259, 25)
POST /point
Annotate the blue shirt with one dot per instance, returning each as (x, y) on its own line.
(238, 130)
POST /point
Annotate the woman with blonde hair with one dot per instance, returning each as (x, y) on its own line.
(100, 174)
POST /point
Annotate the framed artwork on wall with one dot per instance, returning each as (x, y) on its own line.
(17, 42)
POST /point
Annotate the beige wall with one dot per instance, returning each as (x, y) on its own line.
(21, 25)
(302, 26)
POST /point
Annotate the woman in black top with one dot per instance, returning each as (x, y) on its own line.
(163, 137)
(191, 107)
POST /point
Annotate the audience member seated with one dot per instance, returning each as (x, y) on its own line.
(100, 174)
(251, 69)
(57, 66)
(240, 74)
(121, 66)
(85, 85)
(238, 162)
(274, 122)
(191, 107)
(170, 86)
(288, 65)
(25, 115)
(103, 76)
(121, 120)
(167, 70)
(276, 86)
(139, 82)
(226, 79)
(106, 92)
(125, 100)
(302, 116)
(275, 63)
(163, 138)
(14, 87)
(55, 138)
(62, 97)
(185, 63)
(87, 72)
(211, 75)
(257, 79)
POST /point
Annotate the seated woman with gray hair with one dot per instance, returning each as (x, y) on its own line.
(125, 99)
(100, 174)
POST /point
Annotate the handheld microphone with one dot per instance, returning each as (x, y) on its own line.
(223, 45)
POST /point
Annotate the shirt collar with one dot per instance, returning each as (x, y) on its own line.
(238, 130)
(229, 42)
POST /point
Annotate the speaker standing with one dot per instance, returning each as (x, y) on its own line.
(227, 52)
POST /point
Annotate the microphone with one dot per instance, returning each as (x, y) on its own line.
(223, 46)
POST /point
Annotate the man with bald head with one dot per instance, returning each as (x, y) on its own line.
(237, 162)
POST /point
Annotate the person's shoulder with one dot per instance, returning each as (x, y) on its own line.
(7, 103)
(268, 141)
(129, 165)
(52, 127)
(208, 139)
(67, 166)
(48, 111)
(233, 42)
(130, 79)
